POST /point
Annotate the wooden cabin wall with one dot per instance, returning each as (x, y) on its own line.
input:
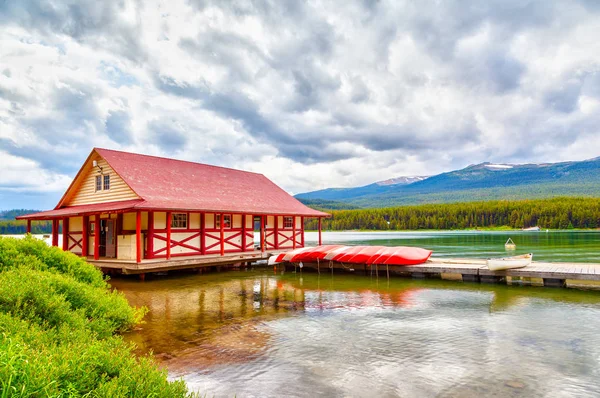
(284, 235)
(190, 238)
(75, 235)
(84, 191)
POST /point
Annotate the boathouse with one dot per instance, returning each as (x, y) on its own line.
(135, 208)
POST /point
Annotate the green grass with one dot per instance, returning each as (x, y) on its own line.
(60, 327)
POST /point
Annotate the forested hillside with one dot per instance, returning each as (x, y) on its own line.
(557, 213)
(477, 182)
(10, 226)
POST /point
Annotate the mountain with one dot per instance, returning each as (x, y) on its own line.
(401, 180)
(342, 194)
(485, 181)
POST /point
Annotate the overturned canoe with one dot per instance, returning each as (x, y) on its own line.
(504, 263)
(398, 255)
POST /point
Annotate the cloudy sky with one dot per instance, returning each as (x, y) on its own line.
(311, 94)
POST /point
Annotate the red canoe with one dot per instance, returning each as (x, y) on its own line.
(345, 255)
(383, 255)
(408, 256)
(404, 255)
(319, 252)
(398, 255)
(336, 252)
(366, 254)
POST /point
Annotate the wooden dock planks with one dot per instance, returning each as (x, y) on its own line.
(471, 269)
(476, 269)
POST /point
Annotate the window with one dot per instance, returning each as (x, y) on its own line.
(226, 221)
(179, 220)
(92, 228)
(106, 182)
(288, 222)
(98, 183)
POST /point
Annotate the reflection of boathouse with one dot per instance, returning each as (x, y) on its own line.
(138, 209)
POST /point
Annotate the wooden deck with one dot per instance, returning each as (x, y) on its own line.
(470, 270)
(129, 267)
(475, 270)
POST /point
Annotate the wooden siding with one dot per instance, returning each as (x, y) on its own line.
(129, 221)
(84, 191)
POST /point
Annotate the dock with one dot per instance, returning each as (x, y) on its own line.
(469, 270)
(200, 263)
(472, 270)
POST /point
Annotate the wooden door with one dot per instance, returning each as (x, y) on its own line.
(110, 239)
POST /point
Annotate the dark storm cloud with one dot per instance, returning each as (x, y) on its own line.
(167, 135)
(66, 129)
(315, 82)
(87, 21)
(233, 105)
(118, 127)
(564, 98)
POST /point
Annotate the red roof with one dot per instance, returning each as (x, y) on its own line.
(169, 184)
(84, 209)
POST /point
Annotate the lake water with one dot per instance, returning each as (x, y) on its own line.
(553, 246)
(265, 334)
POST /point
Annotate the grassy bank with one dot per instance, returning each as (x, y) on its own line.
(60, 326)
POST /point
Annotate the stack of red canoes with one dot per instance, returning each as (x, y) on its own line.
(396, 255)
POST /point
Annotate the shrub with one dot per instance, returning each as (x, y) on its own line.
(59, 325)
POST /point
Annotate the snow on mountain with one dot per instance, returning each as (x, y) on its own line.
(401, 180)
(492, 166)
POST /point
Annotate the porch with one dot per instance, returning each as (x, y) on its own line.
(132, 267)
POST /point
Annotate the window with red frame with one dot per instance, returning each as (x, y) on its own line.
(226, 221)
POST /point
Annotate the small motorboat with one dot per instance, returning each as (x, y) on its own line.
(532, 229)
(510, 245)
(504, 263)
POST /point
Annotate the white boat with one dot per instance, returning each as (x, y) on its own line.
(499, 264)
(510, 245)
(531, 229)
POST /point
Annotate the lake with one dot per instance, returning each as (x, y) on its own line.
(553, 246)
(262, 333)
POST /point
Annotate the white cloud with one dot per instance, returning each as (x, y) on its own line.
(313, 95)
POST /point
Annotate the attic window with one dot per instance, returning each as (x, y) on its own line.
(106, 182)
(98, 183)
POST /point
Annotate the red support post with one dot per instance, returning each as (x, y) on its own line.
(301, 231)
(203, 233)
(138, 236)
(28, 226)
(262, 234)
(97, 237)
(243, 232)
(55, 232)
(276, 232)
(222, 235)
(320, 241)
(65, 242)
(294, 232)
(84, 236)
(169, 216)
(150, 236)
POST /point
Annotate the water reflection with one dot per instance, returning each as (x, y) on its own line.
(260, 334)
